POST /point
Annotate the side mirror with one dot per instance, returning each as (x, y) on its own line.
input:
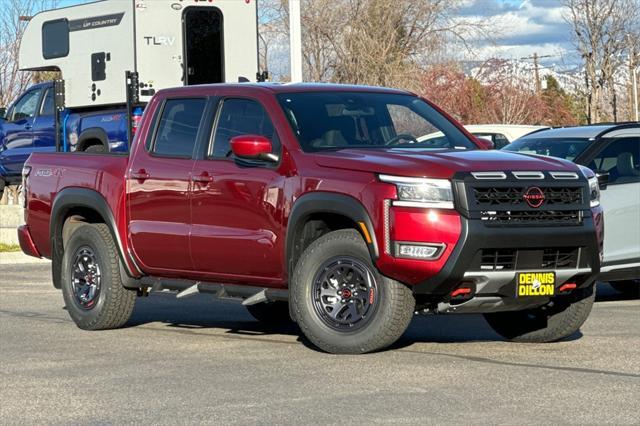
(253, 147)
(603, 179)
(485, 143)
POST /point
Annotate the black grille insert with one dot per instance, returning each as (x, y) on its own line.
(497, 259)
(514, 196)
(526, 259)
(559, 258)
(526, 217)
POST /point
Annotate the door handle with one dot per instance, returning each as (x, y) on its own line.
(28, 126)
(203, 177)
(141, 175)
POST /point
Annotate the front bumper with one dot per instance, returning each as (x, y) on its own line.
(495, 290)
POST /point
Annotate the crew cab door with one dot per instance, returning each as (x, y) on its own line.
(237, 230)
(621, 199)
(18, 132)
(159, 187)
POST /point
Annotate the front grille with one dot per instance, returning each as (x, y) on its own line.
(526, 259)
(527, 217)
(532, 198)
(515, 196)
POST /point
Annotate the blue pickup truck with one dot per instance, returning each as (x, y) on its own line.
(29, 126)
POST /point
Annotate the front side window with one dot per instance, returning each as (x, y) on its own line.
(178, 127)
(621, 159)
(567, 148)
(27, 106)
(55, 39)
(239, 117)
(338, 120)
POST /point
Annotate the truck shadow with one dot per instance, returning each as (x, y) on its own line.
(206, 312)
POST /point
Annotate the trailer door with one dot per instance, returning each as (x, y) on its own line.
(203, 52)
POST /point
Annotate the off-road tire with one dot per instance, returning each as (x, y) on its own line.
(630, 288)
(386, 324)
(114, 303)
(272, 313)
(547, 324)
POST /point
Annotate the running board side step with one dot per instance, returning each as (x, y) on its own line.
(249, 295)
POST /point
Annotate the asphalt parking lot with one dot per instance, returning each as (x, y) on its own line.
(200, 360)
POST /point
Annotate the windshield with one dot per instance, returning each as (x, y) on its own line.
(567, 148)
(336, 120)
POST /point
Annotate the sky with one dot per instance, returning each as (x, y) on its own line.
(520, 28)
(523, 27)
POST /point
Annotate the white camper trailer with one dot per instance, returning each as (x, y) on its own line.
(167, 42)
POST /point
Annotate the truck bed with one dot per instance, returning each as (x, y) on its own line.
(56, 172)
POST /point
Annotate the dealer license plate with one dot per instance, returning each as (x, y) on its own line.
(535, 284)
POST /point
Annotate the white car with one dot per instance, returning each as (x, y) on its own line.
(502, 134)
(612, 150)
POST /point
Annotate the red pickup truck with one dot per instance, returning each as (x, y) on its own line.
(346, 209)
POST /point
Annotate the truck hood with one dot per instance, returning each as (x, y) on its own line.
(436, 163)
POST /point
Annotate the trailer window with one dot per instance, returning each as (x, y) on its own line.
(55, 39)
(178, 127)
(203, 45)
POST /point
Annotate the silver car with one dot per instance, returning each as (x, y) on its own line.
(613, 152)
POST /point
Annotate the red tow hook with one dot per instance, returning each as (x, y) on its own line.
(567, 287)
(461, 292)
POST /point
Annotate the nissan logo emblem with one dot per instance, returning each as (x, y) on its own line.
(534, 197)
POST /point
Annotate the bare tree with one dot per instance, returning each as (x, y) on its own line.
(389, 43)
(271, 31)
(601, 28)
(322, 21)
(378, 42)
(513, 98)
(13, 21)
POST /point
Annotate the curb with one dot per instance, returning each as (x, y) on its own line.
(17, 257)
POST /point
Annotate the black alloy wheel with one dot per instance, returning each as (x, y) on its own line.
(86, 278)
(344, 293)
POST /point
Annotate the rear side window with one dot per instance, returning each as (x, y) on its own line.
(240, 117)
(47, 104)
(55, 39)
(178, 127)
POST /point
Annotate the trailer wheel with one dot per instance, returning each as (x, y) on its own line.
(540, 325)
(91, 283)
(340, 300)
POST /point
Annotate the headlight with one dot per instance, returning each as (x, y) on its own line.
(421, 192)
(594, 192)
